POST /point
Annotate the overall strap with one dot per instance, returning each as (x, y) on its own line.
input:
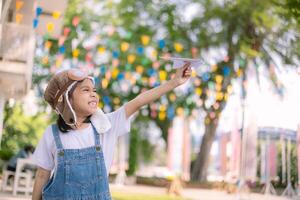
(56, 137)
(97, 136)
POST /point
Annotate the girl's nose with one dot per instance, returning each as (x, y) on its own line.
(93, 94)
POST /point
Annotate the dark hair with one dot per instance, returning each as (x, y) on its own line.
(29, 148)
(62, 126)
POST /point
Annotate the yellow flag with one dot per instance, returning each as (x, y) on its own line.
(48, 44)
(140, 69)
(124, 46)
(219, 79)
(198, 91)
(172, 97)
(116, 101)
(101, 50)
(162, 115)
(207, 120)
(104, 83)
(76, 53)
(229, 89)
(58, 62)
(239, 72)
(218, 87)
(56, 14)
(115, 73)
(131, 58)
(214, 67)
(19, 18)
(45, 60)
(162, 108)
(180, 111)
(19, 5)
(178, 47)
(162, 75)
(219, 96)
(50, 26)
(145, 39)
(194, 73)
(127, 75)
(154, 54)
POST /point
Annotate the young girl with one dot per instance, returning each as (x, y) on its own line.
(79, 148)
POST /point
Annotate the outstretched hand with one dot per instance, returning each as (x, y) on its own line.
(183, 73)
(181, 76)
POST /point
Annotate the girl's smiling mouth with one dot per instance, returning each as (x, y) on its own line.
(93, 103)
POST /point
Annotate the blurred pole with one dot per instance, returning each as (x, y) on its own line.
(242, 186)
(122, 151)
(175, 146)
(186, 161)
(298, 157)
(223, 154)
(170, 149)
(269, 188)
(289, 191)
(283, 158)
(262, 161)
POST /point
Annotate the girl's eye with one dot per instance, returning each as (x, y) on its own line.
(95, 91)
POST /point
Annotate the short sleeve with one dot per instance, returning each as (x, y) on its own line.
(42, 155)
(120, 124)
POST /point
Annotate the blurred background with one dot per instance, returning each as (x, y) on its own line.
(231, 132)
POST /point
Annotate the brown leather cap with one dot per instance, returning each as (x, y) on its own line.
(56, 93)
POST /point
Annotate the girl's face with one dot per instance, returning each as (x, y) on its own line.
(84, 98)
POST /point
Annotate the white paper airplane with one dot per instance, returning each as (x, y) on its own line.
(180, 62)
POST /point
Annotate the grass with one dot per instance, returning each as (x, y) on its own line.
(121, 196)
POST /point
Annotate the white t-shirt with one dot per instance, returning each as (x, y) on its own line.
(45, 153)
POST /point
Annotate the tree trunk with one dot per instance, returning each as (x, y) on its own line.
(199, 170)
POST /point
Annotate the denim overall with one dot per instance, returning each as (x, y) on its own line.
(80, 173)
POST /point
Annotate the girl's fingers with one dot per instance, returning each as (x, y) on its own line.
(188, 71)
(187, 74)
(186, 65)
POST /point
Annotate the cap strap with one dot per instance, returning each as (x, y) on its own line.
(60, 92)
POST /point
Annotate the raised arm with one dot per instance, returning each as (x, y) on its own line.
(181, 76)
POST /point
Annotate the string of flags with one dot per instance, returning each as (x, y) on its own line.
(50, 25)
(134, 58)
(112, 72)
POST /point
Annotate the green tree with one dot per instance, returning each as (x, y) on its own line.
(20, 129)
(250, 31)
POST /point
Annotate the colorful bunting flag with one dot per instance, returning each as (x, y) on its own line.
(39, 11)
(50, 27)
(178, 47)
(145, 40)
(75, 20)
(56, 14)
(19, 18)
(19, 5)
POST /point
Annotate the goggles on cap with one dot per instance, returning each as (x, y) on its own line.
(74, 75)
(77, 74)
